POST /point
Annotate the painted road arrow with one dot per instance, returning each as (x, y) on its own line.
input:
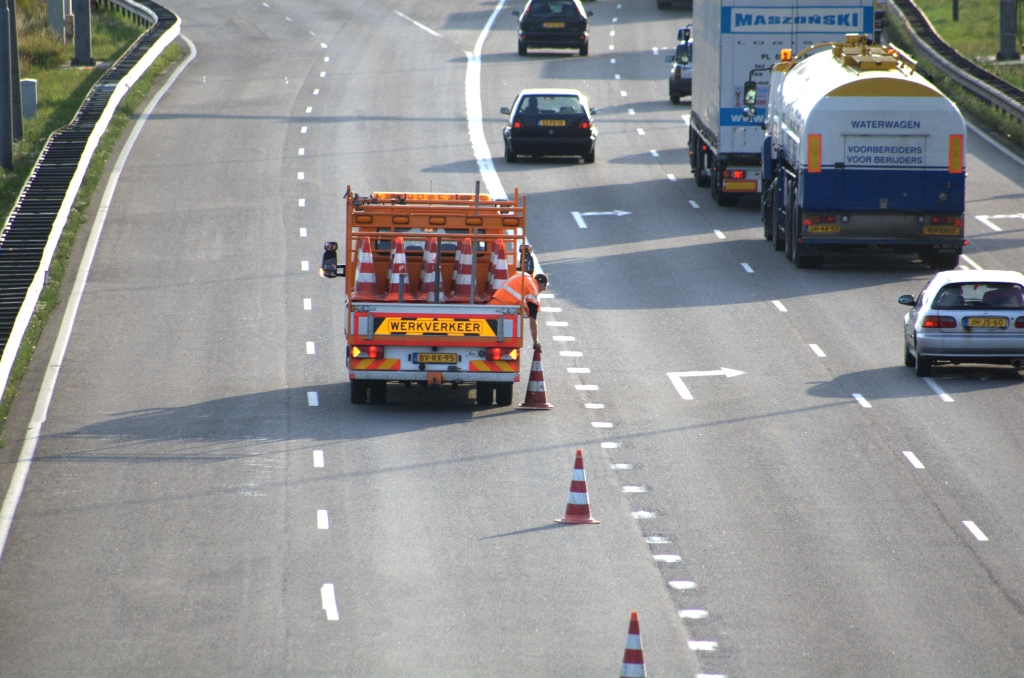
(677, 379)
(578, 216)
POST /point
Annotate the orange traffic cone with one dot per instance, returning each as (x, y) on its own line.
(428, 274)
(498, 273)
(463, 272)
(366, 277)
(398, 276)
(577, 510)
(633, 658)
(536, 398)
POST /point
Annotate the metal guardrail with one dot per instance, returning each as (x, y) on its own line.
(31, 233)
(958, 68)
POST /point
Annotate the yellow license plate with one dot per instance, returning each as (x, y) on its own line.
(552, 123)
(445, 358)
(554, 24)
(822, 228)
(986, 322)
(941, 230)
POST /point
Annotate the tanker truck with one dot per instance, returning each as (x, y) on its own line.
(861, 152)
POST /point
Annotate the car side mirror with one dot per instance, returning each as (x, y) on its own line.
(329, 266)
(505, 110)
(669, 59)
(749, 93)
(907, 300)
(686, 34)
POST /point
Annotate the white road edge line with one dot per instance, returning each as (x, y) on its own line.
(417, 24)
(862, 400)
(912, 458)
(970, 261)
(329, 602)
(35, 426)
(975, 530)
(946, 398)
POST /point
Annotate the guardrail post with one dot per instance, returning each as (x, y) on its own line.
(15, 75)
(1008, 31)
(83, 33)
(55, 17)
(6, 128)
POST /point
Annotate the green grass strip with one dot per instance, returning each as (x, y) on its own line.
(51, 294)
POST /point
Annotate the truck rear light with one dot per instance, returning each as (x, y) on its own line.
(823, 219)
(368, 351)
(494, 353)
(1019, 323)
(513, 354)
(947, 220)
(939, 321)
(516, 124)
(678, 75)
(585, 125)
(735, 174)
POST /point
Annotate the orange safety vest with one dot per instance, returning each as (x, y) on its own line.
(516, 291)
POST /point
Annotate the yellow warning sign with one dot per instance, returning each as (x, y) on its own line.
(446, 327)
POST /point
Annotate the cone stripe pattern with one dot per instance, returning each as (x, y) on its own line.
(498, 276)
(429, 272)
(536, 397)
(633, 658)
(396, 276)
(457, 267)
(464, 271)
(577, 509)
(366, 277)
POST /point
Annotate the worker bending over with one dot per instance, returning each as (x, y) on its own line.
(523, 290)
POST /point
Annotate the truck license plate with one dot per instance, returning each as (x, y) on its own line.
(941, 230)
(823, 228)
(985, 322)
(444, 358)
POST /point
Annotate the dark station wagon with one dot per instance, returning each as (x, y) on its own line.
(554, 23)
(549, 122)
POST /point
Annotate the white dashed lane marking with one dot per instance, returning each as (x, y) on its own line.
(972, 263)
(302, 151)
(623, 92)
(634, 489)
(654, 153)
(644, 515)
(912, 458)
(631, 111)
(578, 370)
(618, 77)
(322, 522)
(302, 202)
(640, 131)
(975, 530)
(668, 558)
(656, 539)
(817, 351)
(302, 176)
(594, 406)
(563, 338)
(862, 400)
(719, 234)
(323, 74)
(303, 131)
(557, 323)
(305, 266)
(746, 267)
(610, 446)
(702, 645)
(330, 604)
(313, 398)
(946, 398)
(622, 467)
(682, 585)
(694, 205)
(318, 458)
(613, 61)
(570, 354)
(671, 177)
(326, 59)
(307, 304)
(693, 614)
(323, 45)
(303, 232)
(602, 424)
(309, 109)
(310, 348)
(586, 387)
(779, 305)
(550, 309)
(316, 92)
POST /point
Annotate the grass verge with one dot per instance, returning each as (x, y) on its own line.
(51, 294)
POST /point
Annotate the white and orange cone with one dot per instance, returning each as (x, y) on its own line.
(366, 276)
(429, 272)
(398, 276)
(633, 658)
(577, 509)
(464, 272)
(498, 275)
(536, 397)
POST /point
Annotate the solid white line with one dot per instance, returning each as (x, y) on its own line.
(302, 232)
(694, 205)
(602, 424)
(305, 266)
(330, 604)
(321, 520)
(938, 390)
(578, 370)
(318, 458)
(418, 24)
(778, 305)
(988, 223)
(586, 387)
(1010, 154)
(313, 398)
(975, 530)
(579, 219)
(310, 348)
(817, 350)
(671, 177)
(912, 458)
(719, 234)
(746, 267)
(42, 406)
(570, 354)
(972, 263)
(474, 112)
(862, 400)
(640, 131)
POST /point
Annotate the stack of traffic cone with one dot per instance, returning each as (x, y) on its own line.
(366, 277)
(536, 397)
(633, 658)
(398, 276)
(577, 509)
(463, 277)
(428, 274)
(498, 273)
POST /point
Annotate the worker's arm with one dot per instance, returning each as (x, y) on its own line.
(533, 308)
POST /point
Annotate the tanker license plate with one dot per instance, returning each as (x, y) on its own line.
(444, 358)
(941, 230)
(822, 228)
(985, 322)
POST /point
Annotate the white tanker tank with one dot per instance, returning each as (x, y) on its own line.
(861, 152)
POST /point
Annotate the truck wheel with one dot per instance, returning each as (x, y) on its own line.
(378, 392)
(908, 357)
(778, 237)
(664, 4)
(359, 387)
(503, 392)
(484, 393)
(673, 97)
(585, 50)
(768, 213)
(923, 367)
(944, 262)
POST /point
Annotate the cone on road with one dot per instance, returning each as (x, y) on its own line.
(398, 276)
(428, 274)
(536, 397)
(463, 277)
(497, 275)
(633, 658)
(577, 509)
(366, 276)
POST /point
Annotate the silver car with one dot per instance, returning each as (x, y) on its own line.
(966, 317)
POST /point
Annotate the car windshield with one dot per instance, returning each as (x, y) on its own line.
(682, 54)
(550, 104)
(559, 8)
(992, 296)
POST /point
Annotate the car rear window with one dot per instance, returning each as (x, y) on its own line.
(561, 8)
(992, 296)
(541, 104)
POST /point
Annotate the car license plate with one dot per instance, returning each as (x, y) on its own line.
(554, 24)
(941, 230)
(444, 358)
(985, 322)
(822, 228)
(551, 123)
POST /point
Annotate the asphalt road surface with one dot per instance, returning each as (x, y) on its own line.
(194, 510)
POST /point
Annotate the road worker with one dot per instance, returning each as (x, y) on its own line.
(523, 290)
